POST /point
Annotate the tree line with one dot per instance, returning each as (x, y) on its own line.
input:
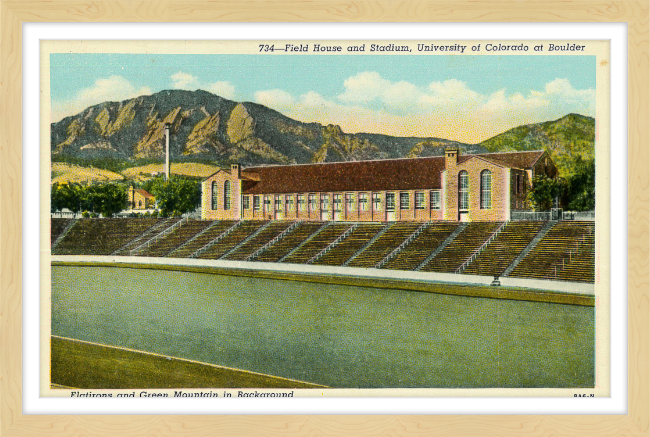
(575, 193)
(179, 195)
(176, 196)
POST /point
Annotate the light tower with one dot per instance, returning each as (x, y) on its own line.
(167, 126)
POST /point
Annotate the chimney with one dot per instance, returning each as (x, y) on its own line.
(131, 196)
(167, 126)
(235, 170)
(451, 157)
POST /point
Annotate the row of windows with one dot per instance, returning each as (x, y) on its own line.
(404, 197)
(309, 203)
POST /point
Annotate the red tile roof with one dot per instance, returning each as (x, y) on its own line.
(144, 193)
(522, 160)
(393, 174)
(398, 174)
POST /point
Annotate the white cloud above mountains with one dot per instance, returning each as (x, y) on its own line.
(186, 81)
(447, 109)
(371, 103)
(112, 89)
(117, 88)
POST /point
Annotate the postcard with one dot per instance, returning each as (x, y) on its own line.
(325, 218)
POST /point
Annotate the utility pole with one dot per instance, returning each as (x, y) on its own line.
(167, 126)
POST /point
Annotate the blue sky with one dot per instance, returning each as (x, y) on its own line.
(466, 97)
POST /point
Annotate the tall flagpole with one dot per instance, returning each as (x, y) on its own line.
(167, 126)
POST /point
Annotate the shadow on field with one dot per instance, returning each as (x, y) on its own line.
(90, 366)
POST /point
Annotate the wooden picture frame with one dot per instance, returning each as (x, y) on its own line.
(14, 13)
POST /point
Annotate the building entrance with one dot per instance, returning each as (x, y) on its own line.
(278, 208)
(337, 207)
(391, 215)
(325, 208)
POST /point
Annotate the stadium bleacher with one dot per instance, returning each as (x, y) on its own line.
(101, 236)
(319, 242)
(210, 234)
(175, 238)
(566, 252)
(502, 251)
(239, 234)
(470, 239)
(57, 227)
(264, 236)
(421, 247)
(385, 244)
(289, 242)
(359, 237)
(580, 267)
(557, 250)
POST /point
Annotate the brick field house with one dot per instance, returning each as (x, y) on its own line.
(454, 187)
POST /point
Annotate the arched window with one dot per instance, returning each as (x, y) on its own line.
(486, 189)
(463, 191)
(226, 195)
(215, 195)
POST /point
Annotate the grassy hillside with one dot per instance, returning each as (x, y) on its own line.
(63, 173)
(190, 169)
(565, 139)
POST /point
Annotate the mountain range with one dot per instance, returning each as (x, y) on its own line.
(207, 127)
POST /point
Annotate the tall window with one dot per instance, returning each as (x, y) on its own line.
(267, 204)
(349, 201)
(363, 201)
(226, 195)
(486, 189)
(390, 201)
(419, 200)
(337, 202)
(215, 195)
(302, 204)
(312, 202)
(256, 203)
(325, 202)
(435, 200)
(376, 201)
(463, 191)
(288, 200)
(246, 202)
(278, 203)
(404, 201)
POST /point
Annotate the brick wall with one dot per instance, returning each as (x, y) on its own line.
(499, 210)
(220, 213)
(351, 208)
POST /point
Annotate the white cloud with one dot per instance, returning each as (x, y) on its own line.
(275, 98)
(222, 88)
(369, 86)
(113, 88)
(184, 81)
(364, 87)
(450, 92)
(189, 82)
(447, 109)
